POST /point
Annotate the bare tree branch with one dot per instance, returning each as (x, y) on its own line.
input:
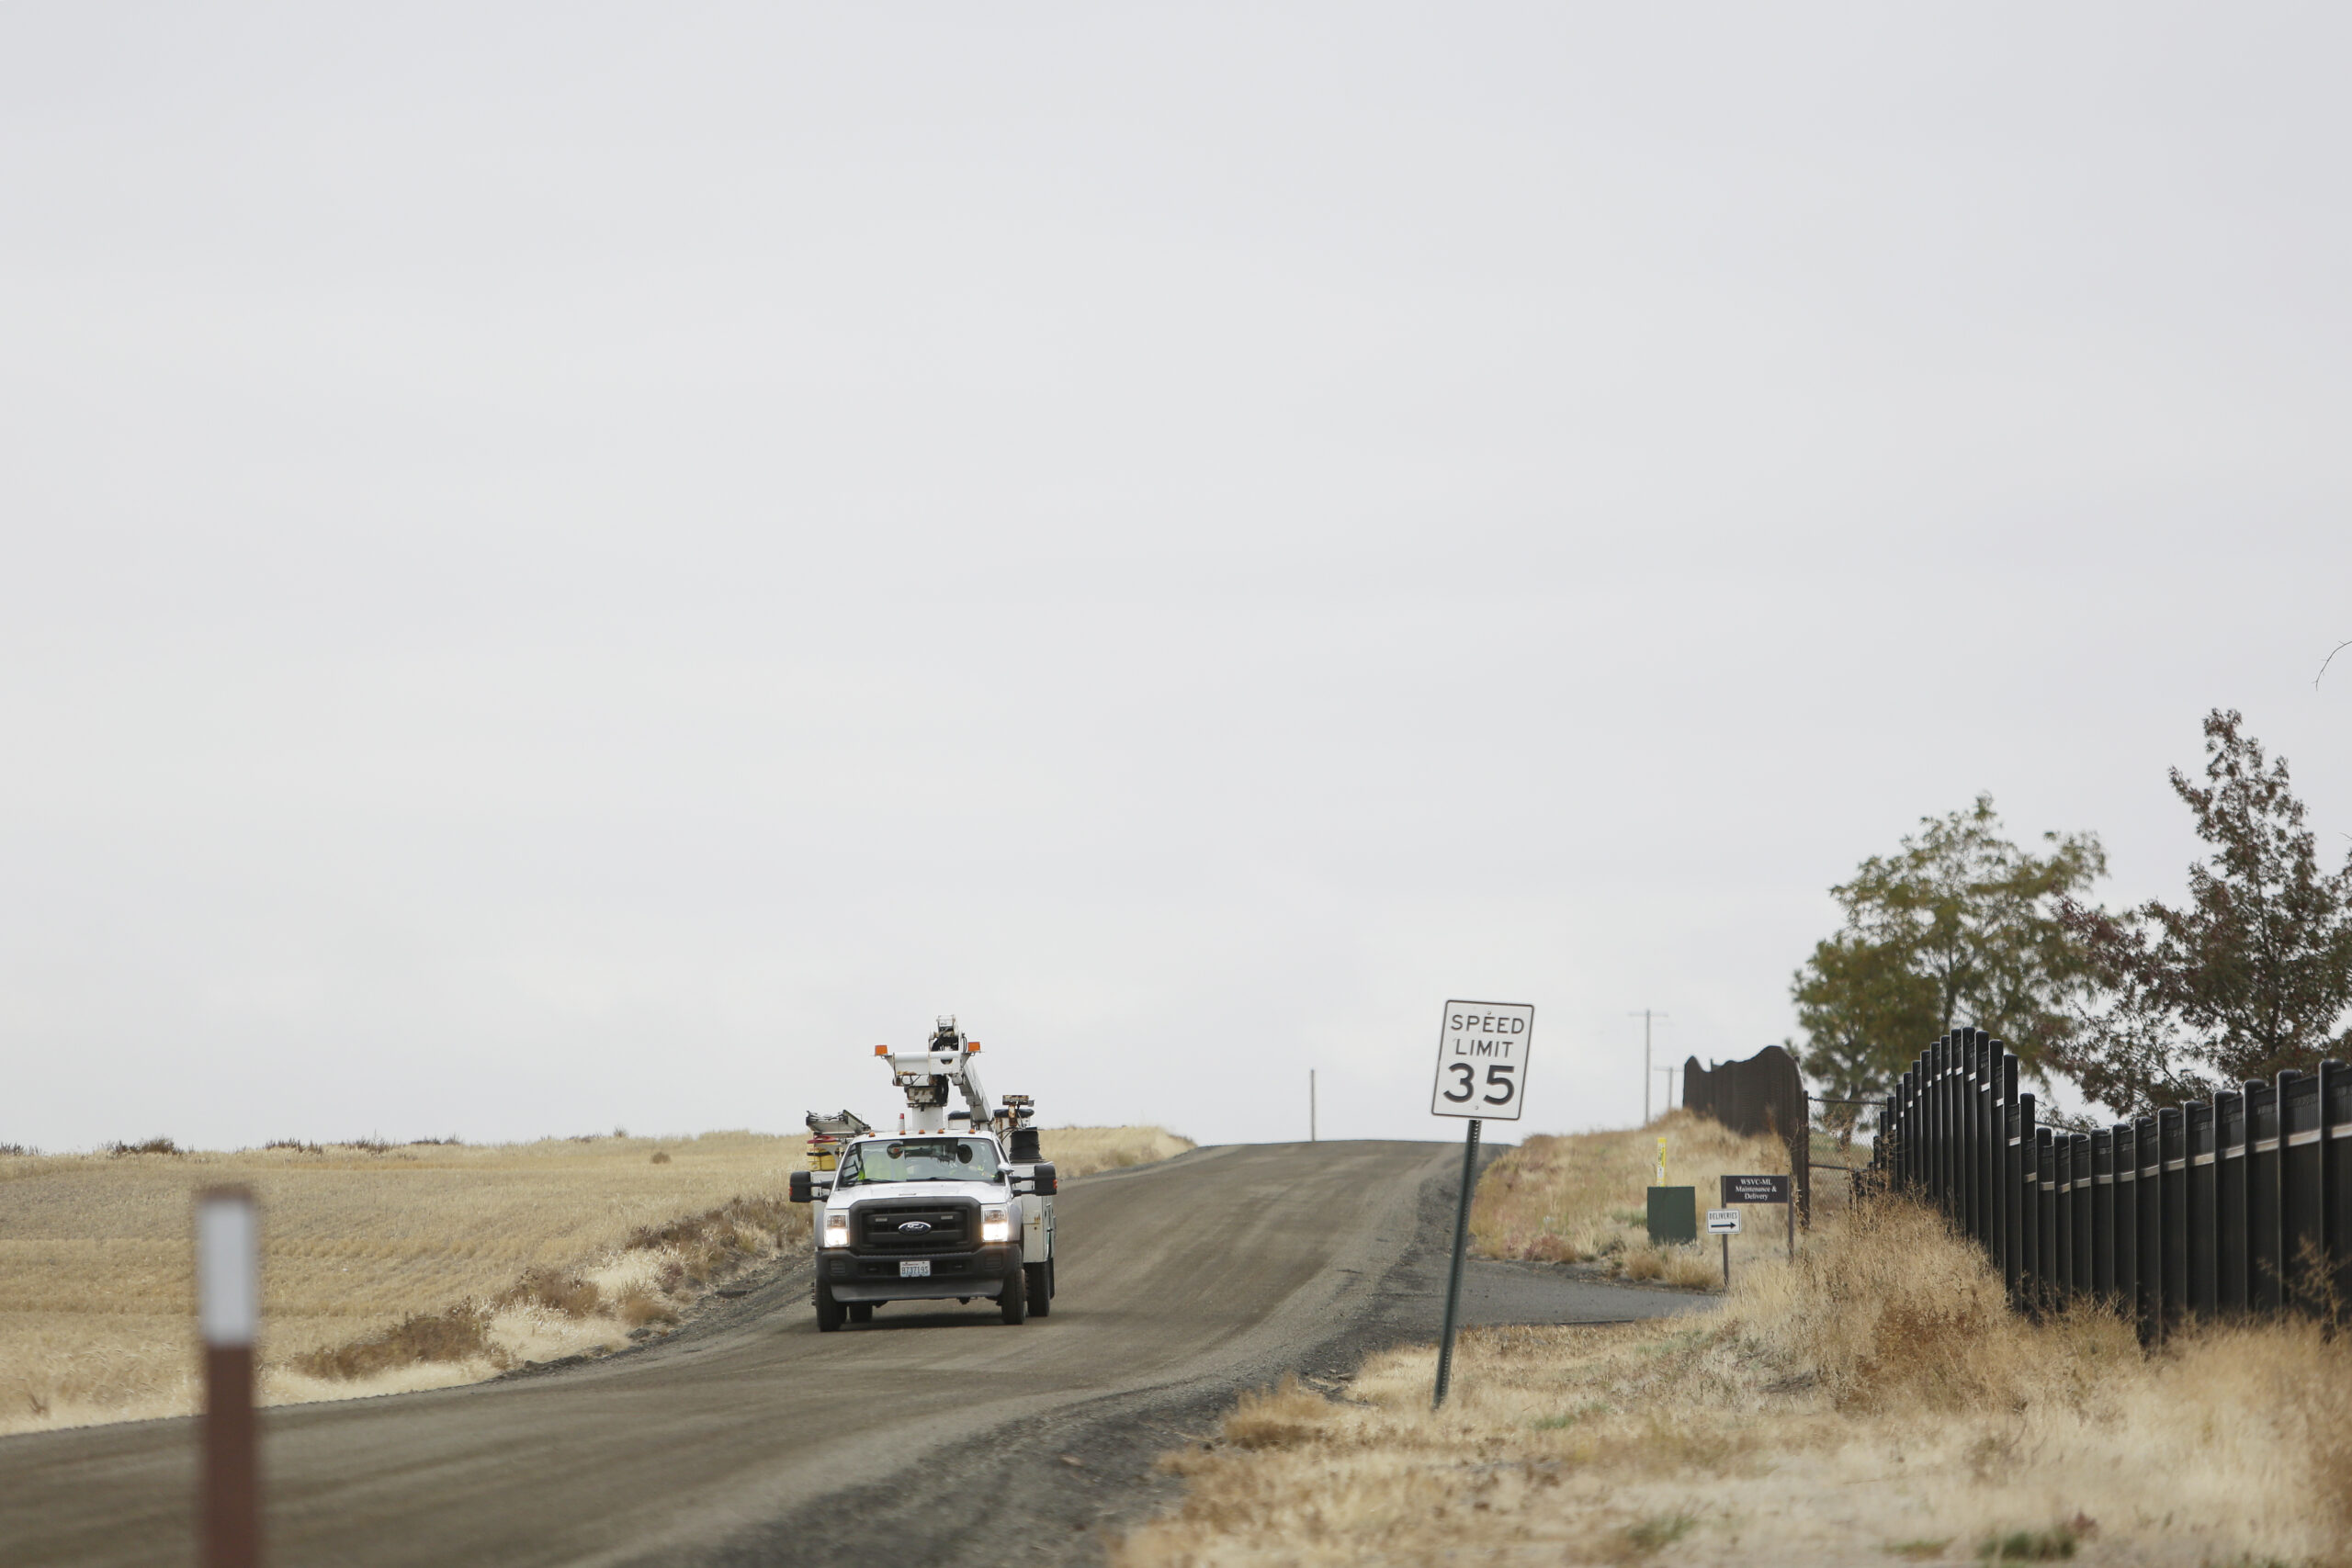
(2328, 660)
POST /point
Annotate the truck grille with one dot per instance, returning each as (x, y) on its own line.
(951, 1227)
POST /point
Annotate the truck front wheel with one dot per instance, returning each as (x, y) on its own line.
(828, 1311)
(1037, 1282)
(1014, 1303)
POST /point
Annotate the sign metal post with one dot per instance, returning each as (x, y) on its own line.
(1481, 1075)
(1723, 1223)
(1454, 1272)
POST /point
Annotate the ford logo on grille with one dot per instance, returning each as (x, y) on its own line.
(914, 1224)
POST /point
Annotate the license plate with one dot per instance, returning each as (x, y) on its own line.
(914, 1268)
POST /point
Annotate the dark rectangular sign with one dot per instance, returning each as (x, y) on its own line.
(1755, 1189)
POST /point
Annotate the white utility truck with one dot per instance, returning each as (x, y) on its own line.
(955, 1204)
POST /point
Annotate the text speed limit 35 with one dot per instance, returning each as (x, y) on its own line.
(1482, 1060)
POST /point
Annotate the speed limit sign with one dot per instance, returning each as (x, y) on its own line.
(1482, 1060)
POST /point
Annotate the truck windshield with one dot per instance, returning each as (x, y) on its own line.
(918, 1160)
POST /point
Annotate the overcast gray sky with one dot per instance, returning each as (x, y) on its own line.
(578, 565)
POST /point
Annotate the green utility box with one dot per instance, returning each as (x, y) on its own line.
(1674, 1214)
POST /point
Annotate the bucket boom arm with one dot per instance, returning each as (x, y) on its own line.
(925, 1075)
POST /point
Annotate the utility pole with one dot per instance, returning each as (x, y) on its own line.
(1645, 1015)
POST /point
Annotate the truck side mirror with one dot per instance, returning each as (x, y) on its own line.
(1042, 1180)
(801, 1193)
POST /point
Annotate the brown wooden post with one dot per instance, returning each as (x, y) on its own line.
(228, 1313)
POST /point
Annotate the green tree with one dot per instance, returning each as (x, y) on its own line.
(1960, 927)
(2254, 975)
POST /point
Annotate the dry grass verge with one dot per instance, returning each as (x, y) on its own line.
(1584, 1198)
(458, 1335)
(1873, 1403)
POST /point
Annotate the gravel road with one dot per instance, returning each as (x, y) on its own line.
(936, 1436)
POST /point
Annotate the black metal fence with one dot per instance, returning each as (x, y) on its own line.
(1763, 1096)
(2239, 1204)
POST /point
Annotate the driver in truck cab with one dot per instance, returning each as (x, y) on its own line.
(918, 1159)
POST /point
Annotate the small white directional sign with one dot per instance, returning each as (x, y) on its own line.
(1482, 1060)
(1722, 1221)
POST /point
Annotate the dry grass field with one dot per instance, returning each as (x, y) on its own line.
(393, 1266)
(1082, 1151)
(1583, 1198)
(1875, 1403)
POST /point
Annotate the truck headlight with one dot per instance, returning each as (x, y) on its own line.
(836, 1227)
(996, 1225)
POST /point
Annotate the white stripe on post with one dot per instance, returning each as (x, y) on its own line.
(228, 1267)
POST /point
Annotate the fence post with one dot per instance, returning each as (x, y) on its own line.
(2061, 1225)
(1906, 1145)
(1909, 1145)
(2172, 1244)
(1990, 1144)
(1922, 1115)
(2264, 1275)
(1896, 1118)
(1931, 1131)
(2045, 1214)
(1958, 1132)
(2072, 1268)
(1946, 1144)
(1980, 1090)
(2232, 1268)
(2126, 1245)
(2103, 1212)
(2336, 1120)
(2147, 1227)
(2198, 1122)
(2009, 1163)
(2075, 1159)
(2005, 1209)
(2301, 1182)
(2025, 1209)
(1948, 1129)
(1971, 1133)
